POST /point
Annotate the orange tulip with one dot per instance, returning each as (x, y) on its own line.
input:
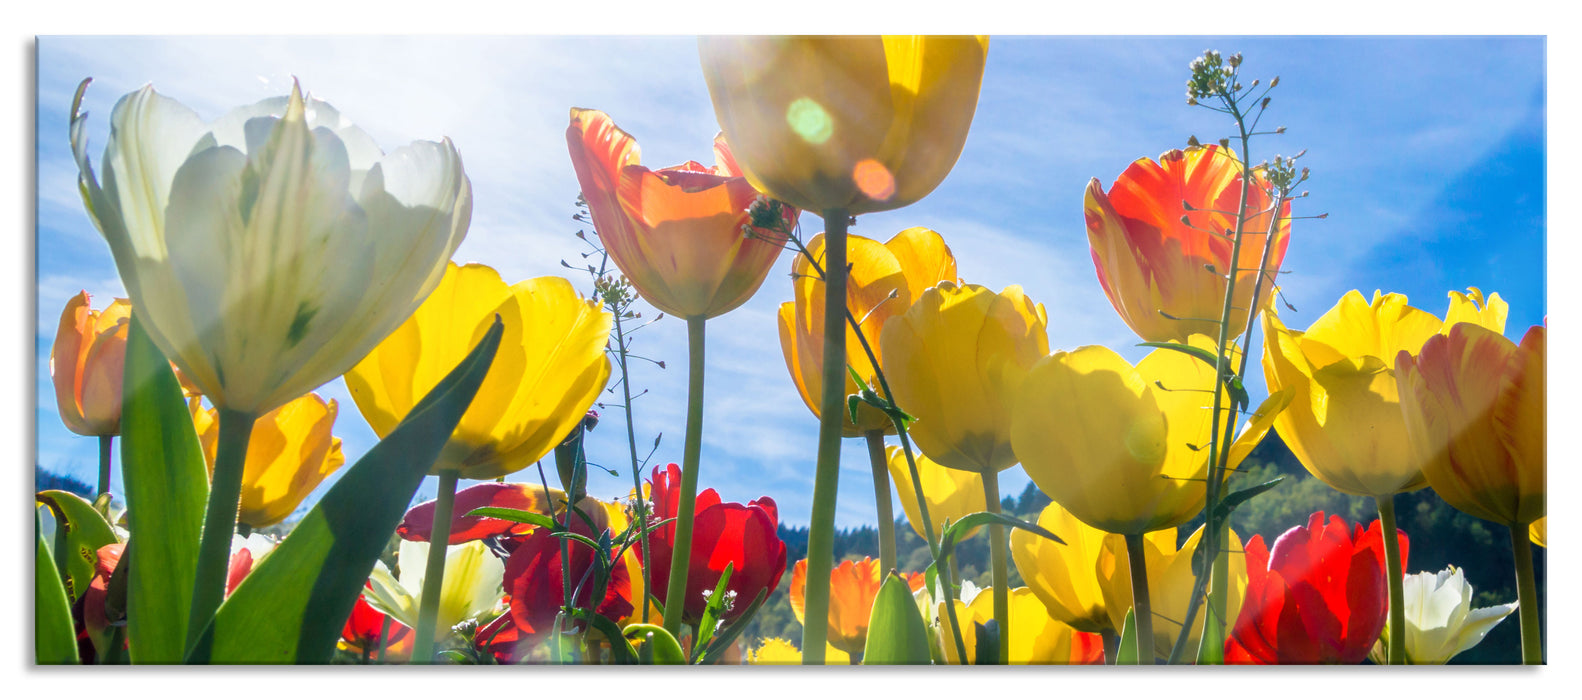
(1152, 263)
(675, 233)
(86, 363)
(884, 281)
(1474, 408)
(852, 588)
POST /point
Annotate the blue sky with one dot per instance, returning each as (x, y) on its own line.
(1428, 154)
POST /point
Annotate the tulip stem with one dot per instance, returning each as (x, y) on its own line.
(1142, 612)
(384, 638)
(999, 552)
(434, 573)
(219, 521)
(681, 554)
(881, 499)
(104, 463)
(1395, 646)
(1526, 597)
(826, 476)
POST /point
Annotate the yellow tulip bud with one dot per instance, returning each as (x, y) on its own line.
(861, 124)
(1063, 576)
(1344, 423)
(289, 454)
(549, 369)
(954, 361)
(884, 281)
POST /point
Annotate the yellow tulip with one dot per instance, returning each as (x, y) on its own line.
(884, 281)
(269, 251)
(548, 371)
(1170, 581)
(1473, 403)
(951, 493)
(1538, 532)
(1124, 449)
(1063, 576)
(954, 361)
(1036, 638)
(1344, 423)
(781, 652)
(85, 363)
(289, 454)
(861, 124)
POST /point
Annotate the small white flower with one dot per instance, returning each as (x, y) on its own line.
(471, 587)
(1439, 620)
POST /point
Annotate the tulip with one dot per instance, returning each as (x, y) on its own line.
(371, 633)
(1118, 446)
(1063, 576)
(269, 251)
(1317, 597)
(954, 360)
(853, 586)
(862, 124)
(85, 363)
(471, 586)
(1440, 622)
(885, 280)
(289, 454)
(533, 579)
(1170, 585)
(1539, 532)
(1037, 638)
(781, 652)
(1473, 405)
(1159, 246)
(951, 494)
(418, 524)
(265, 253)
(725, 533)
(90, 351)
(1345, 423)
(676, 233)
(550, 367)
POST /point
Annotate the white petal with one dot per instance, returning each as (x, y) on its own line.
(388, 596)
(1477, 625)
(150, 137)
(412, 559)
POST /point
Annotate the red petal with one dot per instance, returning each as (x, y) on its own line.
(418, 525)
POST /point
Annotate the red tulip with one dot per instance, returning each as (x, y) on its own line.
(533, 580)
(499, 638)
(1319, 597)
(722, 533)
(364, 626)
(418, 525)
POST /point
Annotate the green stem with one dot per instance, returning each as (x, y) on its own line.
(434, 573)
(641, 512)
(1396, 644)
(681, 554)
(1112, 644)
(1142, 612)
(104, 463)
(219, 520)
(881, 499)
(384, 638)
(826, 476)
(999, 552)
(1527, 597)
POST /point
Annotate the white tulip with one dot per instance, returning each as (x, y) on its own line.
(1439, 620)
(268, 252)
(472, 584)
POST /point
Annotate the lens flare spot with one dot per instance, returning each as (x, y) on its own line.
(874, 179)
(809, 120)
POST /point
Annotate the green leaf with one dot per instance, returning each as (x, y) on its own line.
(896, 633)
(1236, 498)
(975, 520)
(711, 613)
(852, 402)
(722, 641)
(54, 638)
(1127, 654)
(167, 490)
(291, 608)
(666, 651)
(514, 515)
(1211, 652)
(80, 530)
(621, 650)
